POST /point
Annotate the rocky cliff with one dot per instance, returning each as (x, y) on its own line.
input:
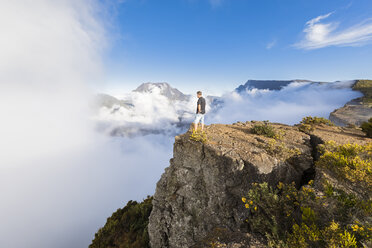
(199, 195)
(356, 111)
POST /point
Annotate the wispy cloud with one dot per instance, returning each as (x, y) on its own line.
(319, 34)
(216, 3)
(271, 44)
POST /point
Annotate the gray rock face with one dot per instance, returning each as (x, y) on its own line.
(202, 188)
(358, 110)
(354, 113)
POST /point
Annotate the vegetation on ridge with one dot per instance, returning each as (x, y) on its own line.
(264, 129)
(310, 217)
(367, 128)
(364, 86)
(199, 136)
(309, 123)
(350, 162)
(126, 228)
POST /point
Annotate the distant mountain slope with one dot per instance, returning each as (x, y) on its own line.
(164, 89)
(105, 100)
(357, 110)
(267, 84)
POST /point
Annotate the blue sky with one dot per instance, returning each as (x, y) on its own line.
(215, 45)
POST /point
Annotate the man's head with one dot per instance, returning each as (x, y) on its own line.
(199, 94)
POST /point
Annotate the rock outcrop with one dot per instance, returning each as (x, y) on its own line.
(353, 113)
(201, 190)
(358, 110)
(200, 193)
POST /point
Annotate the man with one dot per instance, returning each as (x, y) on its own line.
(200, 111)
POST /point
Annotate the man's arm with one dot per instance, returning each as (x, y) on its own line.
(199, 108)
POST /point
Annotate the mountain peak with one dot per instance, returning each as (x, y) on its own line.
(163, 88)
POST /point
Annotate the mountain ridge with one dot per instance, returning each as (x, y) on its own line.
(268, 84)
(164, 88)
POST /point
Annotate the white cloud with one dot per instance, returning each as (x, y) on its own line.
(59, 179)
(271, 44)
(319, 35)
(288, 105)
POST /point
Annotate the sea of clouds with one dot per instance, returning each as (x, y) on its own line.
(154, 112)
(60, 178)
(288, 105)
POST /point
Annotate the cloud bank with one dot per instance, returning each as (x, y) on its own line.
(59, 178)
(319, 34)
(287, 106)
(151, 111)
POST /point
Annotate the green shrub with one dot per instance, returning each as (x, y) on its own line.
(313, 217)
(198, 136)
(126, 228)
(351, 162)
(264, 129)
(293, 218)
(306, 128)
(309, 123)
(367, 128)
(316, 121)
(364, 86)
(278, 148)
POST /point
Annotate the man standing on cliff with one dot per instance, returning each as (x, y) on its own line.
(200, 111)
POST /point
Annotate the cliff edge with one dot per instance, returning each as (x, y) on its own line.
(255, 184)
(200, 193)
(358, 110)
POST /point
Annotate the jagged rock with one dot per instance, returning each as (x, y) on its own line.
(202, 188)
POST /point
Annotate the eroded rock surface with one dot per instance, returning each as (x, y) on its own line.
(358, 110)
(201, 190)
(353, 113)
